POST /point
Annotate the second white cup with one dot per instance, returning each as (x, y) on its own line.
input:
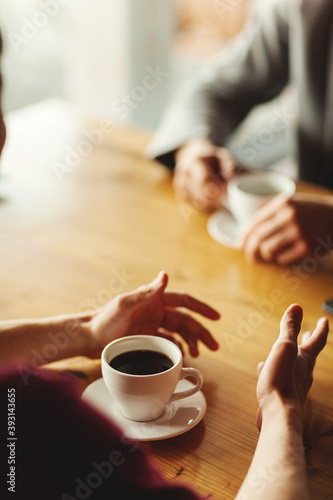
(247, 193)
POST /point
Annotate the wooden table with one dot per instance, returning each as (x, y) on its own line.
(114, 215)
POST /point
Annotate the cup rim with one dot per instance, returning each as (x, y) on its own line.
(140, 337)
(233, 184)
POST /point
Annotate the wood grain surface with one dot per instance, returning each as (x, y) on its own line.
(111, 223)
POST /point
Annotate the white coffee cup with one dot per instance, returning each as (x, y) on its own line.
(247, 193)
(144, 397)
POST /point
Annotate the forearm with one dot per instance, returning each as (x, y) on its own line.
(44, 340)
(191, 114)
(278, 468)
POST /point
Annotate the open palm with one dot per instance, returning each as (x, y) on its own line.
(287, 372)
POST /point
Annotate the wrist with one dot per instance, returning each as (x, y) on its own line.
(89, 343)
(77, 333)
(284, 414)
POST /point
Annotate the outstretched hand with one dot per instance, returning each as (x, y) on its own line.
(153, 310)
(287, 372)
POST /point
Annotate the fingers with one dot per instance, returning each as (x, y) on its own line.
(201, 173)
(174, 298)
(274, 234)
(264, 240)
(145, 293)
(162, 332)
(171, 298)
(313, 343)
(228, 166)
(297, 251)
(203, 169)
(271, 246)
(277, 374)
(197, 182)
(192, 343)
(263, 215)
(189, 329)
(306, 336)
(291, 323)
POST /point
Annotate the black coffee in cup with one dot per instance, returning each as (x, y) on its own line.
(141, 362)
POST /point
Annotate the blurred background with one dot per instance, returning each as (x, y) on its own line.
(93, 51)
(108, 57)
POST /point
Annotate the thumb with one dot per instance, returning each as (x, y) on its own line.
(291, 323)
(146, 293)
(227, 162)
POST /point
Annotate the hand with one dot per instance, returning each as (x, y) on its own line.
(202, 172)
(286, 375)
(286, 229)
(151, 310)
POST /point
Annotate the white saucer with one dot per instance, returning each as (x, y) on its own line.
(223, 228)
(178, 417)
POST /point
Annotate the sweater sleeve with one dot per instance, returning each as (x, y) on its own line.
(66, 450)
(252, 69)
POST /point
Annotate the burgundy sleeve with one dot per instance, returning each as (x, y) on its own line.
(65, 450)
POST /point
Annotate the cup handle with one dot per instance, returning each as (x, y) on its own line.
(185, 373)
